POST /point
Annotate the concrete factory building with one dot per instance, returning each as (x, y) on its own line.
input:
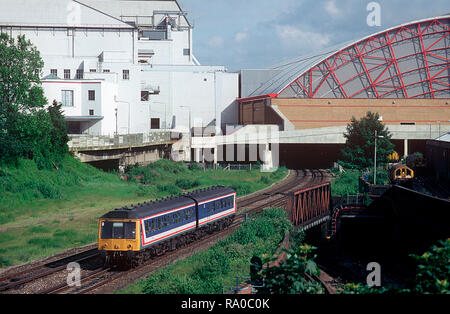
(122, 66)
(403, 73)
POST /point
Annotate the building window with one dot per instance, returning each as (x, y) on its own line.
(145, 95)
(66, 74)
(106, 70)
(54, 72)
(80, 74)
(91, 95)
(93, 70)
(126, 74)
(186, 52)
(91, 112)
(67, 98)
(154, 123)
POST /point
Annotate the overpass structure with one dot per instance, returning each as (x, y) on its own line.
(125, 149)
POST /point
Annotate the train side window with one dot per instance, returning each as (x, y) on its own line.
(147, 227)
(159, 224)
(152, 225)
(188, 214)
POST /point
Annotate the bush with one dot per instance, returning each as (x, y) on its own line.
(187, 183)
(433, 269)
(169, 189)
(145, 190)
(290, 276)
(242, 188)
(346, 183)
(193, 166)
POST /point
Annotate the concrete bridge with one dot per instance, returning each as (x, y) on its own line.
(127, 149)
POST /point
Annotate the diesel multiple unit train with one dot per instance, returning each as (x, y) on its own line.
(133, 234)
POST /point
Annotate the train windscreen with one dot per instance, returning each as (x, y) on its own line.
(118, 230)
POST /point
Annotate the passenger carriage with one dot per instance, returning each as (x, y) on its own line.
(155, 227)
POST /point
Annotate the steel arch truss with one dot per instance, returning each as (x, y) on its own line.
(411, 61)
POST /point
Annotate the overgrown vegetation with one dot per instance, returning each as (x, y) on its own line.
(290, 277)
(215, 270)
(346, 182)
(34, 203)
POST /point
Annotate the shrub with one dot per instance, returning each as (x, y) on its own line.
(290, 276)
(242, 188)
(346, 183)
(145, 190)
(169, 189)
(193, 166)
(264, 180)
(433, 269)
(187, 183)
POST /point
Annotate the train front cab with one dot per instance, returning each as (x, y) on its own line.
(119, 239)
(403, 173)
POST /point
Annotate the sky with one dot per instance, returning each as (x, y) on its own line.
(252, 34)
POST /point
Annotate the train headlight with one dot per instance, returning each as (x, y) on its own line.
(129, 246)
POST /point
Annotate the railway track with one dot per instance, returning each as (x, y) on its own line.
(53, 280)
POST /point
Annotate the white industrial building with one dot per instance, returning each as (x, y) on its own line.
(123, 66)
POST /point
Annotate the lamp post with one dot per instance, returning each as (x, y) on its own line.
(116, 122)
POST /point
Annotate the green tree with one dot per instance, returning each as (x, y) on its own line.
(27, 130)
(358, 152)
(58, 134)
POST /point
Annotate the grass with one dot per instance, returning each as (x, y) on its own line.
(214, 270)
(43, 212)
